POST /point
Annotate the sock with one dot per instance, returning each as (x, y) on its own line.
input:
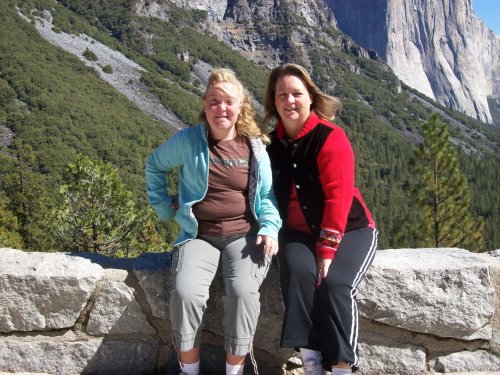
(341, 371)
(234, 369)
(191, 368)
(310, 356)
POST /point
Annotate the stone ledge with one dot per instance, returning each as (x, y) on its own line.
(422, 311)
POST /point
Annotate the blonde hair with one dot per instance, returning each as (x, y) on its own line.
(246, 125)
(325, 106)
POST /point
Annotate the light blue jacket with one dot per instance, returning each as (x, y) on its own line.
(188, 149)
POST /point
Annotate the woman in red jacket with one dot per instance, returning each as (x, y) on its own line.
(329, 238)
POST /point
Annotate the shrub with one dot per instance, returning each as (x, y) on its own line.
(89, 55)
(107, 69)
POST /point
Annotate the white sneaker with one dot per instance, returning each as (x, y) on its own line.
(312, 367)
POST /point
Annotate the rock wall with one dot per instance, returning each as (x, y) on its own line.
(422, 311)
(249, 26)
(440, 47)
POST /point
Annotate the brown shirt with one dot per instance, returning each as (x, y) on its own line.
(225, 210)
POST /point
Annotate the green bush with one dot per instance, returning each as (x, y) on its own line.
(107, 69)
(89, 55)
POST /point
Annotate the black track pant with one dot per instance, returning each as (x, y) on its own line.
(324, 318)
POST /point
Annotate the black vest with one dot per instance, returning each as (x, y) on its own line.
(296, 160)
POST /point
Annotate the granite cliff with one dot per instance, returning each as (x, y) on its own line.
(441, 48)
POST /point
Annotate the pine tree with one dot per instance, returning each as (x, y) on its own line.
(9, 235)
(147, 236)
(442, 193)
(97, 214)
(27, 197)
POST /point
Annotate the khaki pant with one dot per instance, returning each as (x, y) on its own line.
(194, 265)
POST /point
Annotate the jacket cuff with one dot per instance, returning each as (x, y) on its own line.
(324, 252)
(268, 232)
(328, 243)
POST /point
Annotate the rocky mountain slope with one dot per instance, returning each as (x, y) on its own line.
(441, 48)
(158, 53)
(269, 32)
(124, 76)
(265, 32)
(262, 31)
(254, 28)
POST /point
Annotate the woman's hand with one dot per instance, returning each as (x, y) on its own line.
(322, 267)
(270, 244)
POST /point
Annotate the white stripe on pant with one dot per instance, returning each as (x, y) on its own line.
(325, 318)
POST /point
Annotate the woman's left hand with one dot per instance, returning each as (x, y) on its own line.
(322, 267)
(269, 243)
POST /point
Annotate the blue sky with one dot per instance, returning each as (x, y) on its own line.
(489, 12)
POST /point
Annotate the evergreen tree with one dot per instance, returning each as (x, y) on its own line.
(148, 237)
(27, 197)
(97, 214)
(442, 193)
(9, 235)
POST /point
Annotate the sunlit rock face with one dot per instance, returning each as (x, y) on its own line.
(439, 47)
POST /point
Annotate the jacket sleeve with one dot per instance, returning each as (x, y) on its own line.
(268, 215)
(159, 163)
(336, 173)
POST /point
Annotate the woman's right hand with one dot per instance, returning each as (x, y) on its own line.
(270, 244)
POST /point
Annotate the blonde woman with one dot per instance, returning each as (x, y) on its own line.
(227, 214)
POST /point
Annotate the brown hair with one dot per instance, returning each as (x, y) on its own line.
(246, 125)
(325, 106)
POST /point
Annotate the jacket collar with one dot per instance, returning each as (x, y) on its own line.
(309, 125)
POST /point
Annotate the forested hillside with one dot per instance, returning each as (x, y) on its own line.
(50, 101)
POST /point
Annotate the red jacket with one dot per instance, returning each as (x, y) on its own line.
(314, 183)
